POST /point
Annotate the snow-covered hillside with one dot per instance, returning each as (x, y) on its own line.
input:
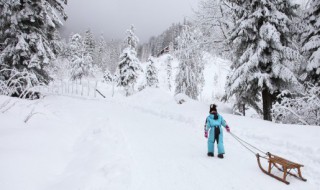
(146, 141)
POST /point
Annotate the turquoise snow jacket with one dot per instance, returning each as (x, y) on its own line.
(211, 124)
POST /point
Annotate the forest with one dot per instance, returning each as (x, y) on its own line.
(274, 47)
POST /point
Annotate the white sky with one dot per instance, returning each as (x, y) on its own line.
(114, 17)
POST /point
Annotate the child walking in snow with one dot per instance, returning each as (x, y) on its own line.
(213, 125)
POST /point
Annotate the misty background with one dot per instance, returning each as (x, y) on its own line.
(114, 17)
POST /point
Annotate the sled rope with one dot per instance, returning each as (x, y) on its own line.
(247, 145)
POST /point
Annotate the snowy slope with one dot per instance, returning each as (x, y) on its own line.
(145, 141)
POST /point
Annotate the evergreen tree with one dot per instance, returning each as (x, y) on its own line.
(108, 77)
(129, 65)
(28, 30)
(152, 74)
(100, 54)
(131, 40)
(311, 41)
(190, 77)
(299, 108)
(114, 54)
(81, 61)
(265, 56)
(89, 43)
(57, 44)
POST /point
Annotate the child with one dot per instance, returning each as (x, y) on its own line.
(213, 126)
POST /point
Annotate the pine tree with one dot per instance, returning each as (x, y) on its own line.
(311, 41)
(114, 54)
(152, 74)
(28, 30)
(100, 53)
(57, 43)
(265, 56)
(89, 43)
(190, 77)
(129, 65)
(81, 61)
(108, 77)
(131, 40)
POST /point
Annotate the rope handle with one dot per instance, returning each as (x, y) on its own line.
(246, 145)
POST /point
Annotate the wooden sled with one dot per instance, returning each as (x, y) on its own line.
(283, 165)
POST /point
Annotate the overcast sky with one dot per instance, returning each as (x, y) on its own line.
(114, 17)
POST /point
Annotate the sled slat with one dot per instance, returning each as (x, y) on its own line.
(288, 164)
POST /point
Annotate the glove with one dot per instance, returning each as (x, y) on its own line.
(228, 129)
(206, 134)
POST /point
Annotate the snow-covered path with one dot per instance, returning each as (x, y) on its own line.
(146, 141)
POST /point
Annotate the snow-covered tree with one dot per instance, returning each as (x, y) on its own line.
(100, 53)
(108, 77)
(114, 53)
(57, 43)
(311, 41)
(60, 67)
(265, 55)
(152, 74)
(89, 43)
(81, 61)
(190, 77)
(299, 108)
(129, 66)
(303, 107)
(214, 18)
(28, 30)
(131, 40)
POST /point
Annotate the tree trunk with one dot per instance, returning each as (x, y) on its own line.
(267, 104)
(243, 109)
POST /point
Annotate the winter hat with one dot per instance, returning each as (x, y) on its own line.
(213, 110)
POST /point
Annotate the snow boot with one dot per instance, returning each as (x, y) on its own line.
(220, 156)
(210, 154)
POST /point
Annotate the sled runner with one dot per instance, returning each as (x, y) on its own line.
(278, 162)
(282, 165)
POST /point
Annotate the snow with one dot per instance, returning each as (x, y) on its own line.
(314, 61)
(145, 141)
(302, 3)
